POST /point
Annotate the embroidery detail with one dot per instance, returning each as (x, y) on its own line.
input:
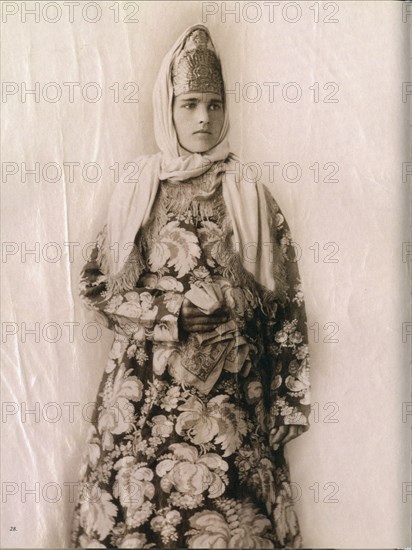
(197, 361)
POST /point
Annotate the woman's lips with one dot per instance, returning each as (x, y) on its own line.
(202, 132)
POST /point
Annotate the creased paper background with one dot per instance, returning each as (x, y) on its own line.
(361, 381)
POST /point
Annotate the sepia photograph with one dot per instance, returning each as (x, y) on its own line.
(206, 253)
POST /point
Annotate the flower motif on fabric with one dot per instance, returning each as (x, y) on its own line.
(298, 297)
(175, 247)
(171, 399)
(166, 329)
(87, 542)
(97, 512)
(298, 381)
(188, 473)
(134, 489)
(134, 540)
(165, 523)
(200, 275)
(237, 525)
(92, 452)
(161, 426)
(285, 519)
(116, 413)
(113, 303)
(286, 246)
(186, 501)
(215, 420)
(161, 355)
(138, 352)
(119, 347)
(173, 301)
(211, 235)
(289, 413)
(288, 336)
(134, 313)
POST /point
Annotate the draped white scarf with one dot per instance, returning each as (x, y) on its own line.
(131, 203)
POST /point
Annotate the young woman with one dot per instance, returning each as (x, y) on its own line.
(207, 378)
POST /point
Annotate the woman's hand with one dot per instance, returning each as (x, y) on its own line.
(194, 320)
(282, 434)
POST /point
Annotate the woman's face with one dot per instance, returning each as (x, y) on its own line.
(198, 119)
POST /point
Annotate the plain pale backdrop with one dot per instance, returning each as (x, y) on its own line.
(349, 469)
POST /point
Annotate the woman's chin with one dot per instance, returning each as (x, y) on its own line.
(200, 150)
(198, 147)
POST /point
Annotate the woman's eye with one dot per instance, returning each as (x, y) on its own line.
(189, 105)
(215, 107)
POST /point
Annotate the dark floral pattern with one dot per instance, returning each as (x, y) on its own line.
(166, 464)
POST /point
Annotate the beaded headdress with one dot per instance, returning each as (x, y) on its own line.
(197, 68)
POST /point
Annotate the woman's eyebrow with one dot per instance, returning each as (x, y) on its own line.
(183, 100)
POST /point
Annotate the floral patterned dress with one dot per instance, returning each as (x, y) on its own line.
(175, 464)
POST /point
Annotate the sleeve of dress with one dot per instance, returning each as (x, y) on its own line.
(286, 336)
(141, 313)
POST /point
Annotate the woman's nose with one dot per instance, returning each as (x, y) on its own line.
(203, 114)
